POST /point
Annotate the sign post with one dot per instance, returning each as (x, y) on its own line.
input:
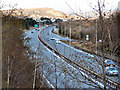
(87, 37)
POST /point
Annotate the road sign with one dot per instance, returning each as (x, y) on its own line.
(87, 37)
(35, 25)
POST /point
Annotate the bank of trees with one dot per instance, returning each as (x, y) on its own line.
(107, 33)
(18, 70)
(29, 22)
(46, 20)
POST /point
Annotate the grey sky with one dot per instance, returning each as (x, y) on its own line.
(77, 5)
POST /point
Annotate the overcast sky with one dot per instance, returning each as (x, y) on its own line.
(77, 5)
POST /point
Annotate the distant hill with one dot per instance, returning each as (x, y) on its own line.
(38, 12)
(43, 12)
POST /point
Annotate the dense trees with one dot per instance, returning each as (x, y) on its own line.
(17, 68)
(81, 28)
(29, 22)
(46, 21)
(13, 53)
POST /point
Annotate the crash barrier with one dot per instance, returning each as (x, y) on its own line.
(109, 83)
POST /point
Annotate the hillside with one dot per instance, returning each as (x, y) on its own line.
(43, 12)
(36, 12)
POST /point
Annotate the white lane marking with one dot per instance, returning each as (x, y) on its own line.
(72, 66)
(48, 82)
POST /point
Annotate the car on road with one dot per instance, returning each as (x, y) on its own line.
(81, 41)
(109, 63)
(111, 71)
(48, 39)
(58, 41)
(37, 29)
(52, 38)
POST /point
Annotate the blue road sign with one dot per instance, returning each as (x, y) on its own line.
(35, 25)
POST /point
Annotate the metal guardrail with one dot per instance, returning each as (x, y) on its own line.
(110, 83)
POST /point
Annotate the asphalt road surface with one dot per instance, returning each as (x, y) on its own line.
(56, 70)
(84, 58)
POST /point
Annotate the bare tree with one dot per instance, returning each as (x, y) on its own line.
(104, 34)
(35, 70)
(15, 72)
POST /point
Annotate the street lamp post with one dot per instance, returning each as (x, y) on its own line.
(96, 36)
(70, 41)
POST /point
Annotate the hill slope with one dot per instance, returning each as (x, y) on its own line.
(43, 12)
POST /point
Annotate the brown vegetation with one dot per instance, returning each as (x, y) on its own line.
(82, 28)
(18, 70)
